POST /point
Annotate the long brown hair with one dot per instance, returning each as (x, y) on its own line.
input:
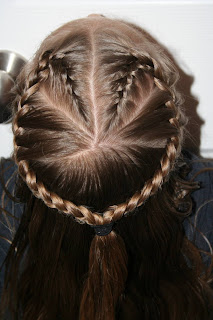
(98, 133)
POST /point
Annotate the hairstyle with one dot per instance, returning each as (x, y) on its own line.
(98, 134)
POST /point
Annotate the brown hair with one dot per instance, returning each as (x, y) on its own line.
(98, 132)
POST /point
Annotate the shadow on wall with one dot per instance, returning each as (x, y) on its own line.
(190, 105)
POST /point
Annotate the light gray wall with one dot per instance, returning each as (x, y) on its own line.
(184, 27)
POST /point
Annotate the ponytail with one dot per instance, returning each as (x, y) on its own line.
(106, 277)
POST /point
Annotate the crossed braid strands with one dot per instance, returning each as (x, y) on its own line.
(123, 80)
(114, 212)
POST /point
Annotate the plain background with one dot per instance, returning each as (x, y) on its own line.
(185, 28)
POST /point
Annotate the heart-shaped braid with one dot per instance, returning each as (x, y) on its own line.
(114, 212)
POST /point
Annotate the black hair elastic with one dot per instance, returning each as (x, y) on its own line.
(103, 229)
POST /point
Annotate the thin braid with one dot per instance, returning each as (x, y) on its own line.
(35, 78)
(125, 86)
(115, 212)
(51, 199)
(123, 89)
(68, 79)
(122, 81)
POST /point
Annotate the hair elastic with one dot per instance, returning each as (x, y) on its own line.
(104, 229)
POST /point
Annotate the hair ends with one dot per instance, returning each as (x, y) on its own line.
(106, 277)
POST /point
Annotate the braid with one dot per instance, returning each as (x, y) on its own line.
(35, 78)
(122, 81)
(114, 212)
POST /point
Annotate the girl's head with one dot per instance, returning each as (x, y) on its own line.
(97, 122)
(98, 131)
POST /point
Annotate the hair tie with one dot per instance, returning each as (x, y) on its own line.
(103, 229)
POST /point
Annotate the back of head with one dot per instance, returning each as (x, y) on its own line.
(98, 132)
(95, 100)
